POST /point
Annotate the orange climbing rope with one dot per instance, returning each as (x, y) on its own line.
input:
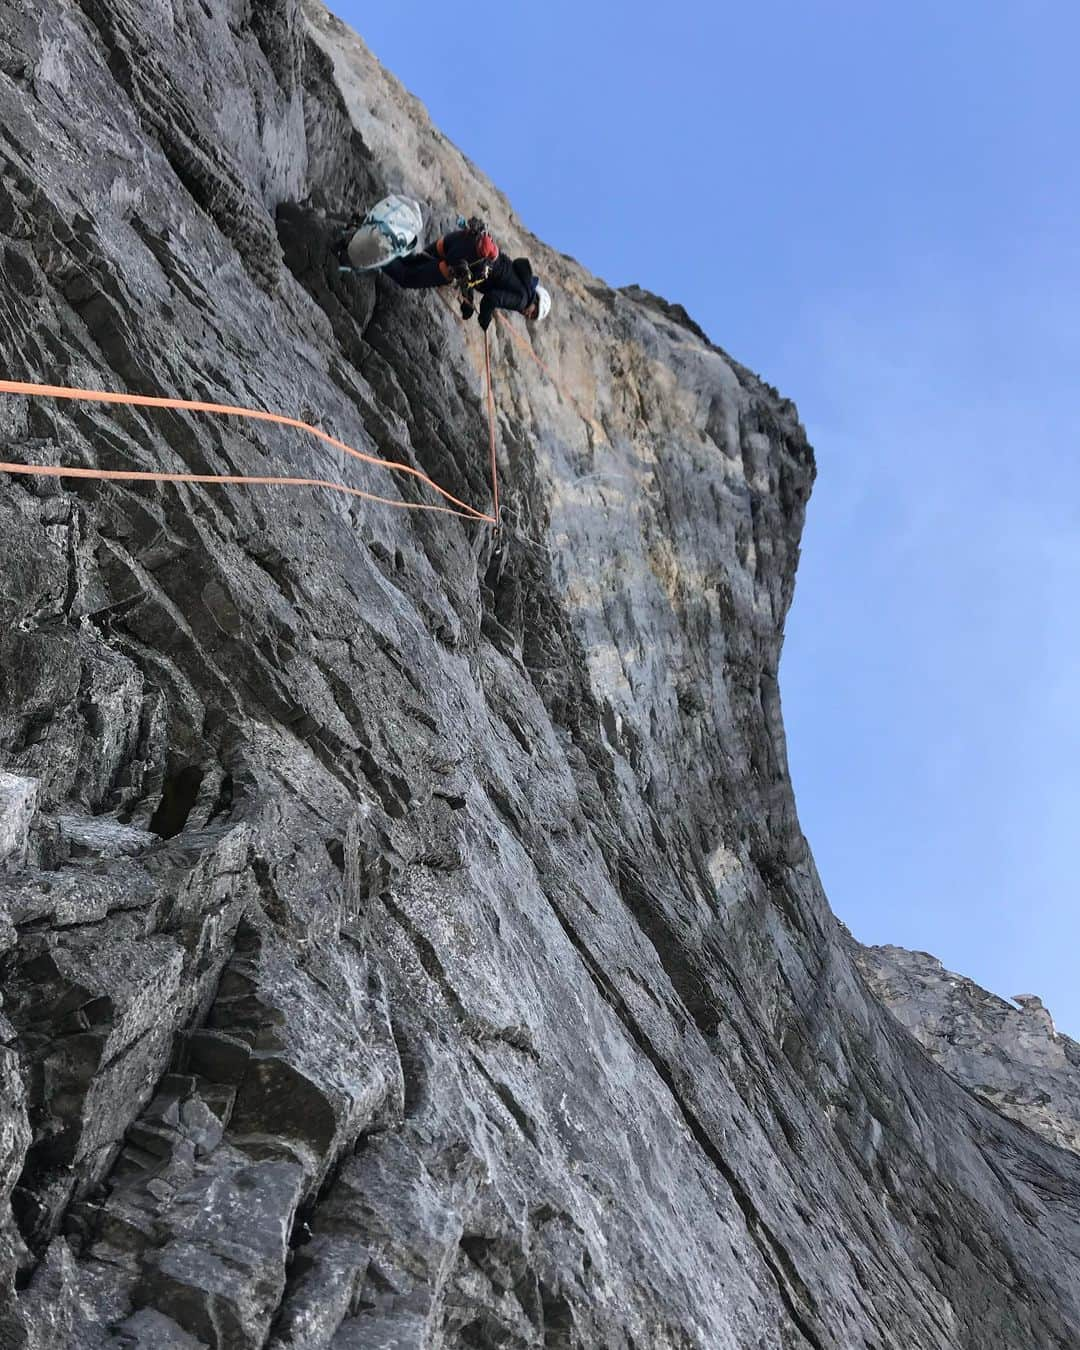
(491, 429)
(153, 476)
(494, 518)
(528, 348)
(26, 389)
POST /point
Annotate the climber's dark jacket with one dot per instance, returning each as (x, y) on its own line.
(509, 285)
(439, 264)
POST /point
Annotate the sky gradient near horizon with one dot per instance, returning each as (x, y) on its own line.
(883, 210)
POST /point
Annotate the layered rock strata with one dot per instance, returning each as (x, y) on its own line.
(1012, 1057)
(407, 935)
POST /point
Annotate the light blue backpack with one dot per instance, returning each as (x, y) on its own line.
(391, 229)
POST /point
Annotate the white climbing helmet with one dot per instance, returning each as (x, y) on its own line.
(543, 302)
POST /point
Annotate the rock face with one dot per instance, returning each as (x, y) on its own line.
(407, 935)
(1013, 1058)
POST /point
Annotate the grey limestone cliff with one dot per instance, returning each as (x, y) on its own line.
(407, 935)
(1012, 1057)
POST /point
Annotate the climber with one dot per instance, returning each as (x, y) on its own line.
(508, 285)
(470, 259)
(462, 258)
(467, 258)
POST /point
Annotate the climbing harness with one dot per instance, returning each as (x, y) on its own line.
(461, 274)
(29, 390)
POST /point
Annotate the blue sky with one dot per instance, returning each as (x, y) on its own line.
(886, 203)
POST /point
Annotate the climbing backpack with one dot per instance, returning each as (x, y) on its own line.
(391, 229)
(484, 246)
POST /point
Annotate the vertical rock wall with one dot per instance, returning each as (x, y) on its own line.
(407, 936)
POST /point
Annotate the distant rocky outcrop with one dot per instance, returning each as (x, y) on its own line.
(407, 938)
(1011, 1057)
